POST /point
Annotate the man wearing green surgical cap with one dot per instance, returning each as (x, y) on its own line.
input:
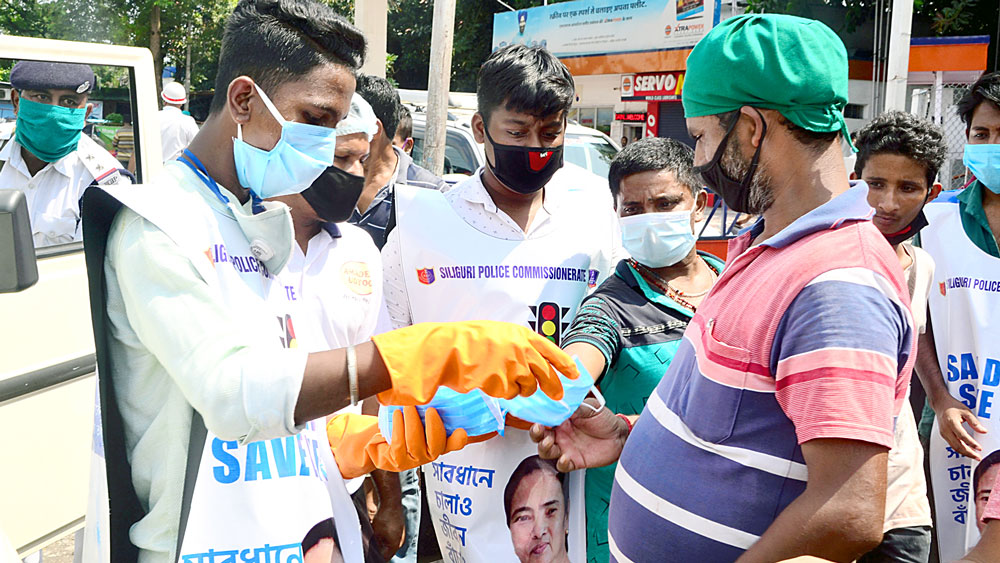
(768, 436)
(48, 158)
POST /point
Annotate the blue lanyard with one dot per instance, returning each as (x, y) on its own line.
(199, 170)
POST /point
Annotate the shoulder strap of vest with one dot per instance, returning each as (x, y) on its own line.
(911, 278)
(411, 203)
(99, 209)
(196, 445)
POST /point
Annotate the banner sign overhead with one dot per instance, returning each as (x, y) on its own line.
(598, 27)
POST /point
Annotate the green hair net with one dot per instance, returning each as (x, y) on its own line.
(794, 65)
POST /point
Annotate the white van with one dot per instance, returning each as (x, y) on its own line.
(47, 363)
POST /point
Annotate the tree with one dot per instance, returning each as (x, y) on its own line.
(27, 18)
(410, 39)
(166, 27)
(92, 21)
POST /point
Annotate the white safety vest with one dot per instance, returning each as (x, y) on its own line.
(964, 305)
(453, 272)
(257, 501)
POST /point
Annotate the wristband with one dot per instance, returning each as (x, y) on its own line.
(352, 374)
(628, 423)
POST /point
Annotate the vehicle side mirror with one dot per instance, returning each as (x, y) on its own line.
(18, 269)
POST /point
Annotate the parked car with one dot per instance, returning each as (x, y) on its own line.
(589, 148)
(462, 155)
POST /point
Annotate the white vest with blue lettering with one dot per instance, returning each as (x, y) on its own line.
(257, 501)
(454, 272)
(965, 308)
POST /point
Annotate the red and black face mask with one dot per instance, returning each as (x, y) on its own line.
(909, 231)
(523, 169)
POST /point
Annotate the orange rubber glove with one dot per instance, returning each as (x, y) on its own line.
(360, 448)
(503, 359)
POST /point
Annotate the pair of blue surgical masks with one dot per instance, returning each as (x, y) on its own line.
(481, 414)
(476, 412)
(302, 153)
(658, 239)
(984, 162)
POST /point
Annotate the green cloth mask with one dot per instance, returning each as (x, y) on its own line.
(794, 65)
(48, 132)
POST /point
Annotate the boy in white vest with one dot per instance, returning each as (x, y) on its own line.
(959, 357)
(209, 406)
(899, 156)
(522, 240)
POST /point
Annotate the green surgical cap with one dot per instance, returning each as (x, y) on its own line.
(794, 65)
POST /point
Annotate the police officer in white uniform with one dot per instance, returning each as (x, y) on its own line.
(48, 158)
(176, 127)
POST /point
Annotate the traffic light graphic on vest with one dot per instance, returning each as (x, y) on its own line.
(548, 320)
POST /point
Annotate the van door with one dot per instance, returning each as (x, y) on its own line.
(47, 364)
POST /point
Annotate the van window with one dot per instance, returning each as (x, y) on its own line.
(54, 189)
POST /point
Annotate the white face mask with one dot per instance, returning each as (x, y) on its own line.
(270, 233)
(658, 239)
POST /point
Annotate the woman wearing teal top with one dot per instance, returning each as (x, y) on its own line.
(629, 328)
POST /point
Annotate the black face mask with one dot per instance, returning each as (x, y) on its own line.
(334, 194)
(908, 232)
(736, 193)
(523, 169)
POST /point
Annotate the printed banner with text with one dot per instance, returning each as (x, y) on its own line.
(597, 27)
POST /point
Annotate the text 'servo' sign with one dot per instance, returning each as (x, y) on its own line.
(653, 86)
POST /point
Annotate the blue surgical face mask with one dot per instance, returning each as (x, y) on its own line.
(476, 412)
(542, 409)
(984, 162)
(302, 153)
(658, 239)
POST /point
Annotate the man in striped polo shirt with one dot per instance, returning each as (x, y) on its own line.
(768, 436)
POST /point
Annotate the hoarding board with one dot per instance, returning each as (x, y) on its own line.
(598, 27)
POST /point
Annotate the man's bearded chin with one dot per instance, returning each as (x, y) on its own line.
(736, 166)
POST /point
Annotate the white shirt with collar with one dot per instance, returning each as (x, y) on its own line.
(473, 203)
(54, 193)
(176, 132)
(338, 283)
(337, 286)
